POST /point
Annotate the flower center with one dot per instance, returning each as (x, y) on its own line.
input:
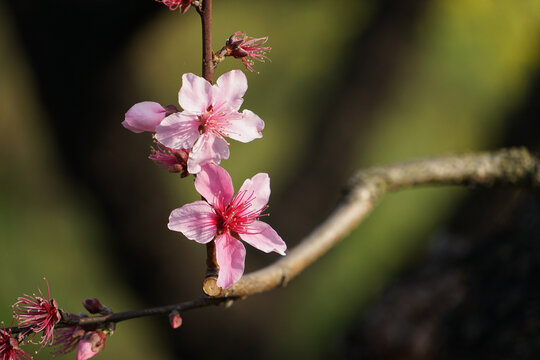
(239, 214)
(213, 121)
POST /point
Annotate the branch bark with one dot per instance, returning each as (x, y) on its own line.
(508, 166)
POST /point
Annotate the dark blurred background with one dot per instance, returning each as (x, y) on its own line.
(439, 273)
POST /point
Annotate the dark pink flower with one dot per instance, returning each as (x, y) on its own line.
(9, 347)
(241, 46)
(227, 219)
(38, 314)
(174, 4)
(173, 160)
(91, 344)
(210, 115)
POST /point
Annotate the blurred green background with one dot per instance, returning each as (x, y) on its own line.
(351, 84)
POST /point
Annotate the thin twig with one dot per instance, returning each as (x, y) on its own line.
(161, 310)
(99, 321)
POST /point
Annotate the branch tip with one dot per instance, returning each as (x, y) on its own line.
(210, 287)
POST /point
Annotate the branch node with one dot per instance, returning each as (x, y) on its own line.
(210, 287)
(283, 282)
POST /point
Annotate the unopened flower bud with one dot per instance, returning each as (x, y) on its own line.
(93, 306)
(91, 344)
(144, 116)
(175, 319)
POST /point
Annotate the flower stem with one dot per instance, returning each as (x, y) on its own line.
(206, 22)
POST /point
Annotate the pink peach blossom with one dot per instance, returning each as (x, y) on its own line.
(227, 219)
(210, 115)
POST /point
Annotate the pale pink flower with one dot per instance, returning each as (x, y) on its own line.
(174, 4)
(38, 314)
(210, 114)
(227, 218)
(241, 46)
(91, 344)
(144, 116)
(9, 347)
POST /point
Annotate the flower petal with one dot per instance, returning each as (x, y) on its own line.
(215, 185)
(84, 350)
(259, 186)
(178, 131)
(229, 90)
(195, 94)
(144, 116)
(197, 221)
(245, 128)
(230, 256)
(263, 237)
(90, 345)
(208, 149)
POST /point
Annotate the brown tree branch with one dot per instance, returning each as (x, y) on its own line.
(507, 166)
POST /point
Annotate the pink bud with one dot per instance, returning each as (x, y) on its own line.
(91, 344)
(144, 116)
(93, 306)
(175, 319)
